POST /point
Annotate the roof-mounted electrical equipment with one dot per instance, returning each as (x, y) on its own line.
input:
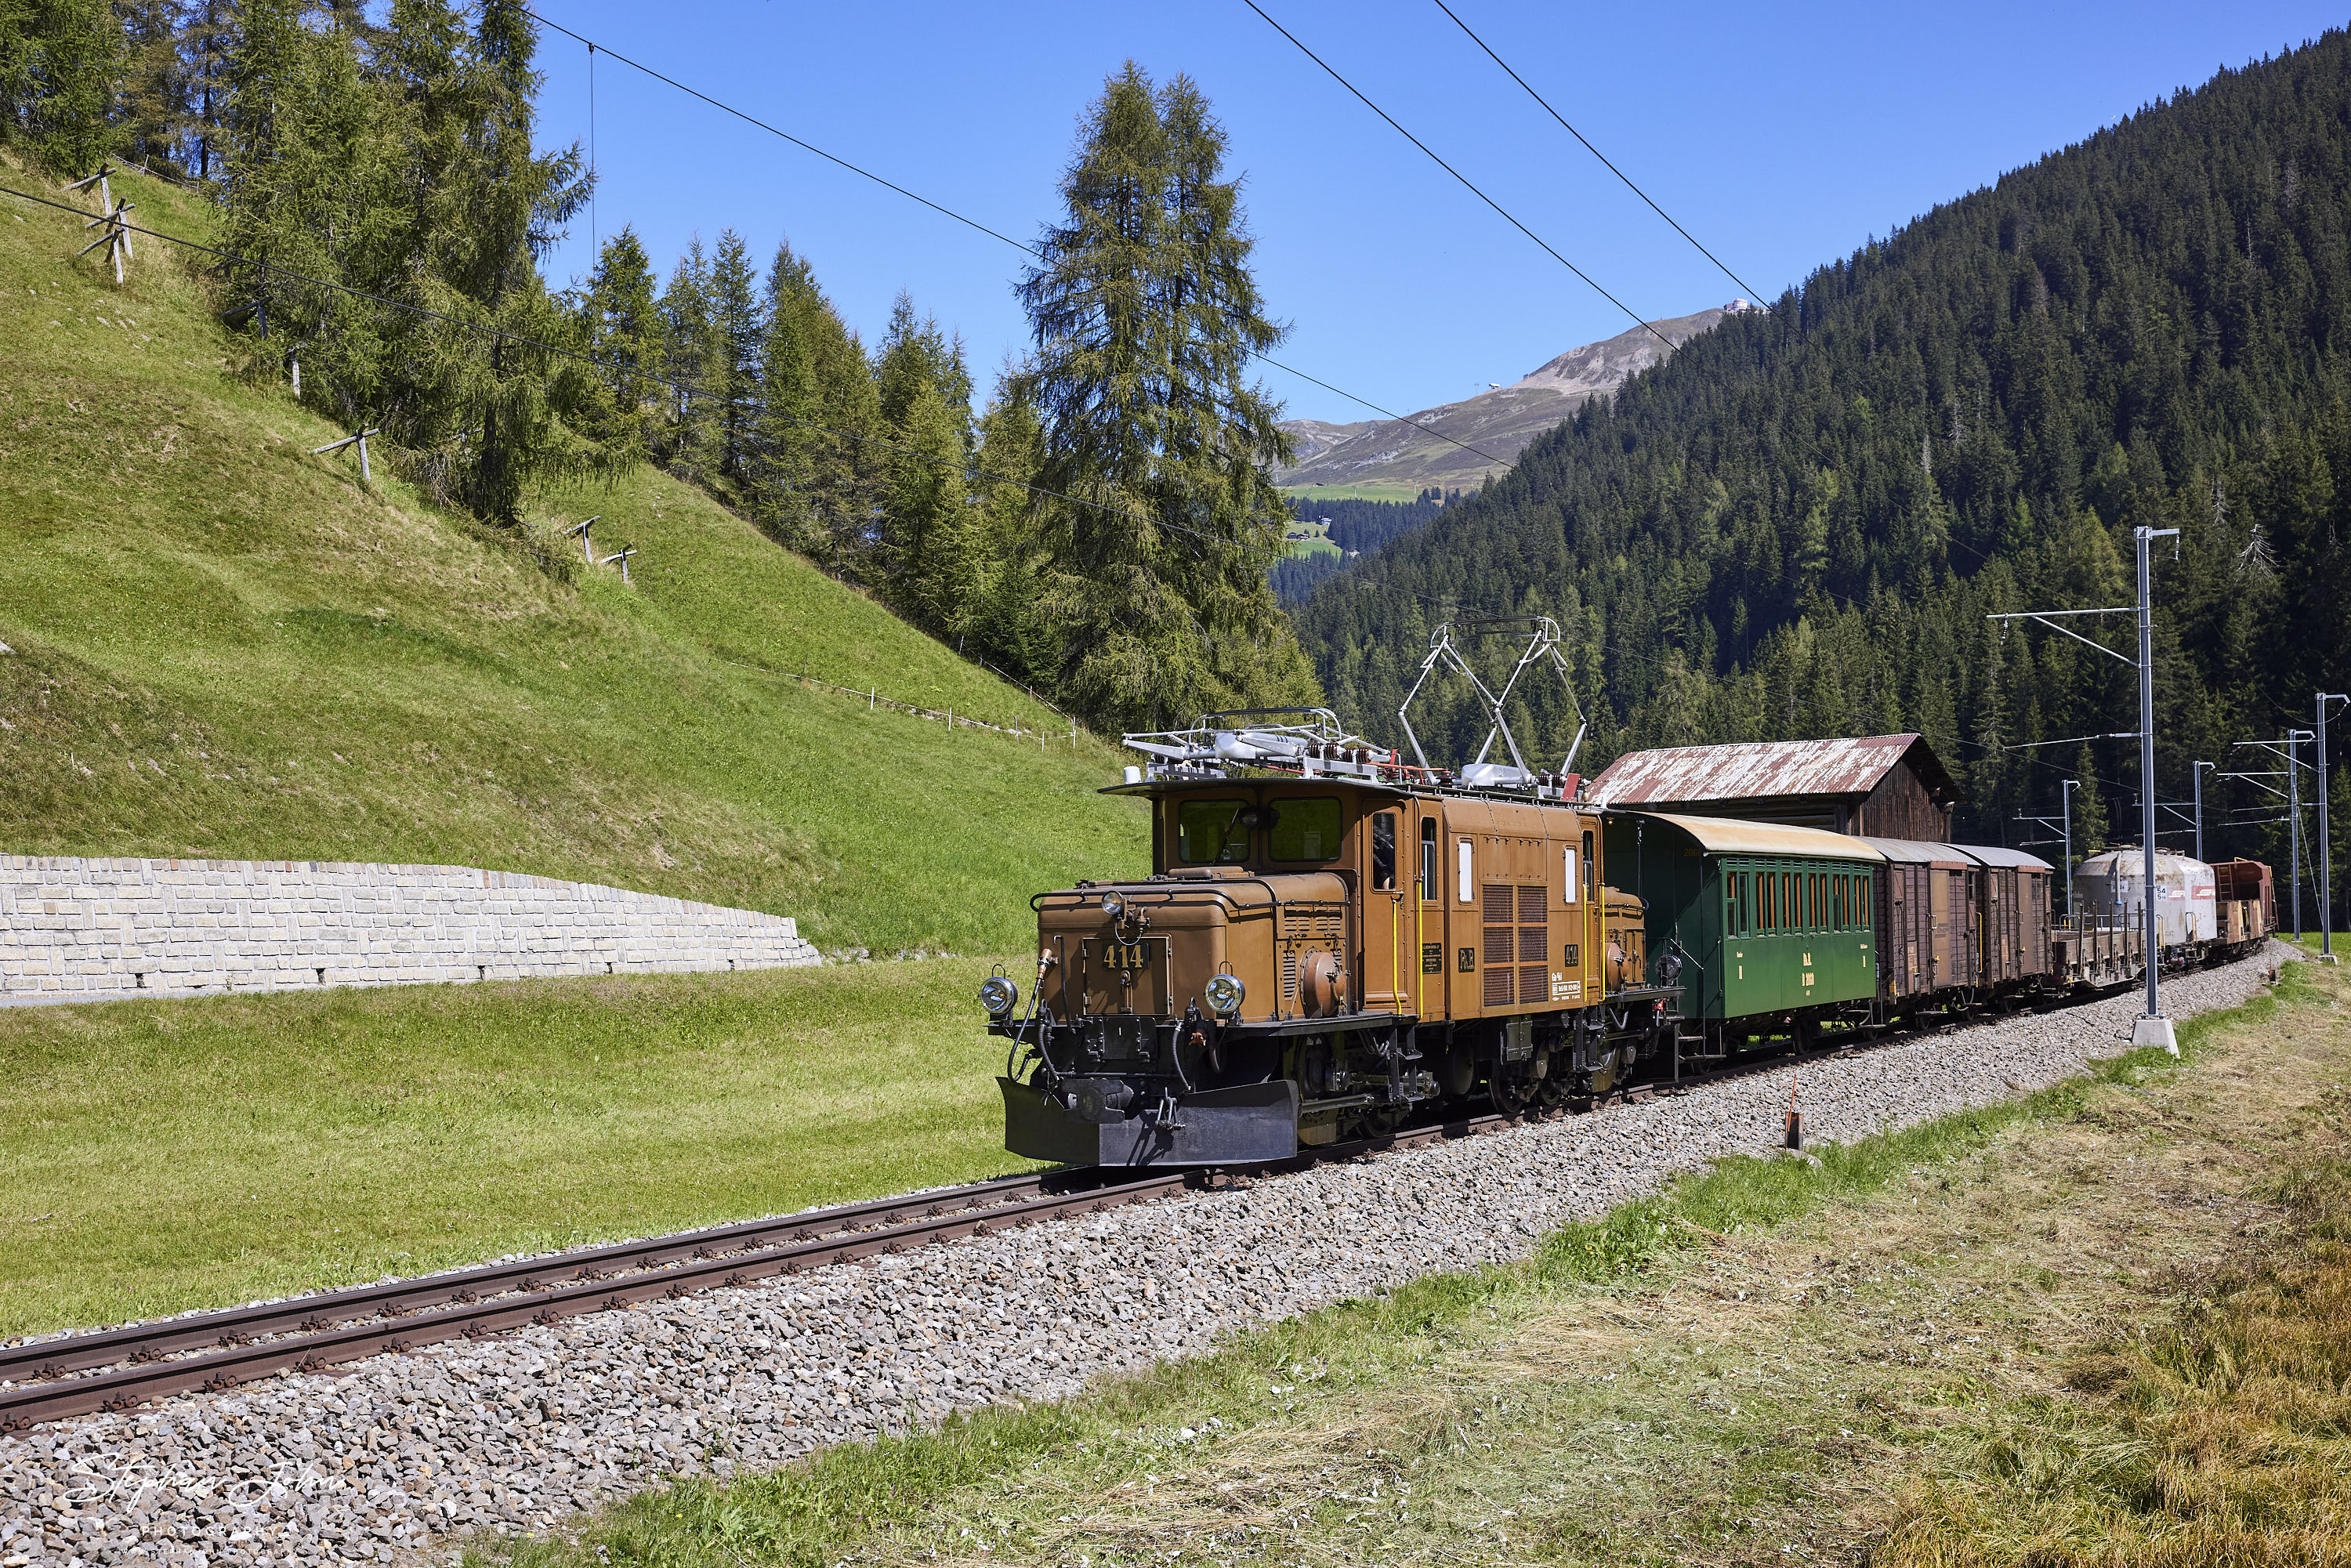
(1542, 652)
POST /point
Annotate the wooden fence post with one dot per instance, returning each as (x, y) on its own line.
(367, 475)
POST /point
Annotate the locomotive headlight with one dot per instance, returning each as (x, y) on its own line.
(1224, 994)
(999, 995)
(1112, 905)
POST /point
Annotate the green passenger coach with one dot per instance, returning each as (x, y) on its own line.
(1774, 925)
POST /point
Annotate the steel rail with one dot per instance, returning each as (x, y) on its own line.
(240, 1344)
(551, 1289)
(38, 1381)
(147, 1340)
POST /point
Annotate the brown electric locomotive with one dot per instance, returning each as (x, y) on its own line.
(1316, 952)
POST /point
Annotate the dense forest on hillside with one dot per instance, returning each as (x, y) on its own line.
(1354, 526)
(1797, 526)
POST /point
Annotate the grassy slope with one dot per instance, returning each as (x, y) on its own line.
(160, 1156)
(226, 647)
(1770, 1363)
(1370, 491)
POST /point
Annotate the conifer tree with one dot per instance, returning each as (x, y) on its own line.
(296, 165)
(732, 292)
(154, 98)
(207, 39)
(933, 554)
(624, 325)
(793, 313)
(1144, 317)
(851, 464)
(916, 353)
(60, 64)
(515, 201)
(689, 366)
(1005, 624)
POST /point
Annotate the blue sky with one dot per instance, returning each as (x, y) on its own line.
(1779, 137)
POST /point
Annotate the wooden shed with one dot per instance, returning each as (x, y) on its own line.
(1880, 786)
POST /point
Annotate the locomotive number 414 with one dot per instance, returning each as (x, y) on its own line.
(1123, 955)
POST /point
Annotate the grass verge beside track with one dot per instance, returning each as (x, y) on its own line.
(1779, 1360)
(160, 1155)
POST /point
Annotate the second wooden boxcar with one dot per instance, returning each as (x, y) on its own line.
(2015, 921)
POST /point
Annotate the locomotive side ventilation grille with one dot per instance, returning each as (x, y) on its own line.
(1289, 974)
(1534, 944)
(1516, 945)
(1502, 947)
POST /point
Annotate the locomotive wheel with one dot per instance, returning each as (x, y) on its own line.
(1511, 1098)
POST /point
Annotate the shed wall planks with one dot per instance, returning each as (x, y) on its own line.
(76, 929)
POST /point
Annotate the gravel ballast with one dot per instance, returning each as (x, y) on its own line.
(412, 1453)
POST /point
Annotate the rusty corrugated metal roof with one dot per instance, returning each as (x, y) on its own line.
(1765, 770)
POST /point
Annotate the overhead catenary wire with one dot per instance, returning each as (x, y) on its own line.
(557, 349)
(1571, 130)
(972, 223)
(1470, 184)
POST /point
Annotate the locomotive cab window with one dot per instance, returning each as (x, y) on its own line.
(1567, 883)
(1428, 860)
(1384, 852)
(1306, 830)
(1209, 832)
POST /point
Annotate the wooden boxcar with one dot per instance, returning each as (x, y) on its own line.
(1773, 925)
(2015, 919)
(1929, 909)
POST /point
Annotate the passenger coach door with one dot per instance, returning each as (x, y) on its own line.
(1386, 982)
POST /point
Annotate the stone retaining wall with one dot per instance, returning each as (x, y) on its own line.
(83, 929)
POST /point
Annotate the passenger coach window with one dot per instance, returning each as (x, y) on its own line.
(1307, 829)
(1208, 833)
(1384, 852)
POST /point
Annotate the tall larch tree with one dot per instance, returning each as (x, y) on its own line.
(1144, 317)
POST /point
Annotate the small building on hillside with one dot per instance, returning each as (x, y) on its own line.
(1880, 786)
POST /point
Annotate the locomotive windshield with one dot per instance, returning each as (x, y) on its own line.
(1306, 830)
(1209, 832)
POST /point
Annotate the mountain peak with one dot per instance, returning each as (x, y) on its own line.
(1420, 450)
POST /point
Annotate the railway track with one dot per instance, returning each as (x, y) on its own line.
(116, 1369)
